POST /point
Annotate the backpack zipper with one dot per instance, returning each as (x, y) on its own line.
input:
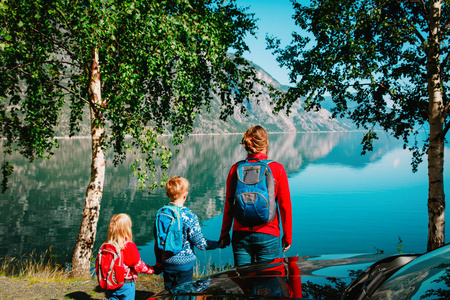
(267, 202)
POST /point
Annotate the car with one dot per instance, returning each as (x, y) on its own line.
(346, 277)
(425, 276)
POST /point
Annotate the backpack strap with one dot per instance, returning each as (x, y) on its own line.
(175, 209)
(122, 258)
(266, 161)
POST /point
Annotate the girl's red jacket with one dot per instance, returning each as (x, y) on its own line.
(133, 263)
(282, 195)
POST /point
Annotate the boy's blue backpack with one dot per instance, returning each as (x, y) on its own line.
(254, 199)
(169, 229)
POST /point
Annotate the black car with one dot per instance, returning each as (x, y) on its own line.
(425, 276)
(345, 277)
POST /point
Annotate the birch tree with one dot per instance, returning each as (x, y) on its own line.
(385, 64)
(141, 68)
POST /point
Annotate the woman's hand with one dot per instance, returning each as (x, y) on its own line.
(225, 240)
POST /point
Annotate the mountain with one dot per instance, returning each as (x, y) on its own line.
(258, 113)
(261, 114)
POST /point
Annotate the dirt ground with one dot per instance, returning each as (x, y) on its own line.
(23, 288)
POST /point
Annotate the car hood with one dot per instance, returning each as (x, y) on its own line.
(306, 277)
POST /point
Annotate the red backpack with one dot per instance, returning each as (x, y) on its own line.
(109, 267)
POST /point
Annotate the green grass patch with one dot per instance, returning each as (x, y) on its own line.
(37, 267)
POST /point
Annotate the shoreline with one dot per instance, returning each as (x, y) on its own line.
(227, 133)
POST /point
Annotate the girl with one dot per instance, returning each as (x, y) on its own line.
(119, 234)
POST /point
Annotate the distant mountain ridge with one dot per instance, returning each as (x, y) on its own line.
(261, 114)
(257, 114)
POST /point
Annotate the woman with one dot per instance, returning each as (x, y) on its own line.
(262, 242)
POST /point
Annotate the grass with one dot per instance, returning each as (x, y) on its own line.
(44, 268)
(39, 276)
(37, 267)
(209, 269)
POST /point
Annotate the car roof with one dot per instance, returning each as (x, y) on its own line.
(324, 276)
(427, 277)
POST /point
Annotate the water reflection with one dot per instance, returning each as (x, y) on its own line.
(43, 205)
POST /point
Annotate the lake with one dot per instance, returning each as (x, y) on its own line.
(342, 202)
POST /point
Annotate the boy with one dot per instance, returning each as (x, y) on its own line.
(179, 268)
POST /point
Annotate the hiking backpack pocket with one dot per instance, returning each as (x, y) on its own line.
(254, 202)
(109, 267)
(169, 233)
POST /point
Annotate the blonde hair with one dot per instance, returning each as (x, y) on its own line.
(176, 186)
(120, 230)
(255, 140)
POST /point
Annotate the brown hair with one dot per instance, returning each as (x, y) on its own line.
(255, 140)
(176, 186)
(120, 230)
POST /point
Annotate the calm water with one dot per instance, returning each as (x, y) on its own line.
(342, 202)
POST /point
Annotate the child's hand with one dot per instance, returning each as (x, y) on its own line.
(150, 270)
(222, 244)
(158, 268)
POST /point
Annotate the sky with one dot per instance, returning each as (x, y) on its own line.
(275, 19)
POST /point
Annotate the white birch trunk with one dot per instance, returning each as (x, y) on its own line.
(436, 196)
(88, 229)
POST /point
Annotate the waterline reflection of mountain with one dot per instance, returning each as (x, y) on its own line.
(43, 205)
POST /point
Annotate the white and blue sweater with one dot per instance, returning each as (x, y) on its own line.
(192, 236)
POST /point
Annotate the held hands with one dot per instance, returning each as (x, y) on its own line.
(225, 241)
(158, 268)
(150, 270)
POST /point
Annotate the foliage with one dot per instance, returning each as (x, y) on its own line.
(371, 57)
(331, 290)
(400, 245)
(379, 251)
(385, 64)
(444, 280)
(159, 62)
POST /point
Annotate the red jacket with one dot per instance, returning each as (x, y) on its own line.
(133, 263)
(282, 195)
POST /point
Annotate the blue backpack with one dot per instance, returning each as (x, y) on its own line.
(169, 229)
(254, 198)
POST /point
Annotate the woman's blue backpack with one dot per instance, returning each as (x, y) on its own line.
(169, 229)
(254, 198)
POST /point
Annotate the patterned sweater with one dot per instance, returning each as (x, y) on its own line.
(192, 236)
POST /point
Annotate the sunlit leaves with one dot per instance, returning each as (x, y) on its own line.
(159, 62)
(371, 57)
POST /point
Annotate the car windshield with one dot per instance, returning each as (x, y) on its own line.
(427, 277)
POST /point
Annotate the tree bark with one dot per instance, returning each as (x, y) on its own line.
(436, 196)
(83, 249)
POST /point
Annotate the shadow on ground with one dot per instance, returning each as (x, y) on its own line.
(79, 296)
(140, 295)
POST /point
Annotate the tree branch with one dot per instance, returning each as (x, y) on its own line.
(60, 86)
(54, 42)
(446, 128)
(445, 26)
(419, 36)
(19, 67)
(64, 17)
(446, 106)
